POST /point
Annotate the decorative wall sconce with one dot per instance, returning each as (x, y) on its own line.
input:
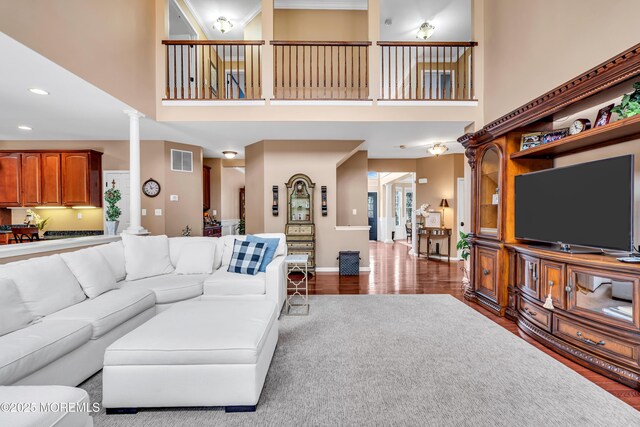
(274, 207)
(323, 191)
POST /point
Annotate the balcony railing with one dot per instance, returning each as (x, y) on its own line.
(323, 70)
(427, 71)
(213, 70)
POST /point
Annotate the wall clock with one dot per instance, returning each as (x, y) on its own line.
(151, 188)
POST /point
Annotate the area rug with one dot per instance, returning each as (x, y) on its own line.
(403, 360)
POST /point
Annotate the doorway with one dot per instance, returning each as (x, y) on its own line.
(372, 215)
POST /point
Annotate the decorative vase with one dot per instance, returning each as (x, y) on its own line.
(41, 234)
(111, 227)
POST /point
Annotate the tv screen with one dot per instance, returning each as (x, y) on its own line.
(589, 204)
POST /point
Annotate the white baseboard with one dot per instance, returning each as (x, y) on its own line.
(336, 269)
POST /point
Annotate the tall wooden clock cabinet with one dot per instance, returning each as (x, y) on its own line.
(300, 229)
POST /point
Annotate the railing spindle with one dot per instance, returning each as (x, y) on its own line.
(167, 90)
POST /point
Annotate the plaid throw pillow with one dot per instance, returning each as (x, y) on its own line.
(247, 257)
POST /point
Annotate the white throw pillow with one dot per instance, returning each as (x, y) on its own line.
(196, 258)
(114, 254)
(177, 243)
(45, 284)
(92, 271)
(146, 256)
(13, 313)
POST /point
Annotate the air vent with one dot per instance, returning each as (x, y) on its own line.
(181, 161)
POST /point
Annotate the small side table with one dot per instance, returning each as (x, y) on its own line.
(300, 288)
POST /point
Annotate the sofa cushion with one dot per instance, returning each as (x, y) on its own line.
(228, 243)
(223, 282)
(13, 313)
(29, 349)
(45, 284)
(170, 287)
(114, 254)
(198, 332)
(196, 258)
(92, 271)
(75, 401)
(247, 257)
(176, 244)
(282, 245)
(271, 244)
(146, 256)
(109, 310)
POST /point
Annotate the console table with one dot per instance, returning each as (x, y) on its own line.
(299, 265)
(435, 234)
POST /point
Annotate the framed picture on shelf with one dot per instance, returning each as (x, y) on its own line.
(604, 116)
(554, 135)
(433, 220)
(530, 140)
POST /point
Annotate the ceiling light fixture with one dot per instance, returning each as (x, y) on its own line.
(438, 149)
(229, 154)
(24, 127)
(425, 31)
(38, 91)
(223, 25)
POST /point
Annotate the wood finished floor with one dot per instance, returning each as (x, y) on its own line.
(394, 271)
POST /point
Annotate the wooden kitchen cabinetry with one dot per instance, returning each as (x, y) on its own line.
(45, 178)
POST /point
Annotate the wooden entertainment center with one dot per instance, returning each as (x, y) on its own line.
(595, 314)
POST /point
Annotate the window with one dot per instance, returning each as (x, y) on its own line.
(408, 201)
(181, 161)
(398, 204)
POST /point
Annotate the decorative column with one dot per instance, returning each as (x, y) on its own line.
(135, 197)
(388, 189)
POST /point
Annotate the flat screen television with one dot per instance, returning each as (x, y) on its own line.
(589, 204)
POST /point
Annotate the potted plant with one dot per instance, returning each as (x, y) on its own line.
(465, 248)
(112, 196)
(630, 104)
(240, 227)
(38, 221)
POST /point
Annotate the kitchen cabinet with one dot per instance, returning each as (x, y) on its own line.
(10, 180)
(51, 191)
(31, 179)
(81, 178)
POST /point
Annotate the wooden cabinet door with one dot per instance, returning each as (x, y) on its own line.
(528, 275)
(51, 191)
(487, 272)
(206, 188)
(75, 179)
(10, 180)
(553, 282)
(31, 179)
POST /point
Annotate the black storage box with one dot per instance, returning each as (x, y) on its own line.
(349, 262)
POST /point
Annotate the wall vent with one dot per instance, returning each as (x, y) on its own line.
(181, 161)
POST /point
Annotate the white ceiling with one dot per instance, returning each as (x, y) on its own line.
(77, 110)
(452, 19)
(239, 12)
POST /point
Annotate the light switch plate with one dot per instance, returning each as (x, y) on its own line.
(173, 198)
(79, 215)
(355, 211)
(158, 212)
(144, 212)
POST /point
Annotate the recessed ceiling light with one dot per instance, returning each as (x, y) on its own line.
(24, 127)
(38, 91)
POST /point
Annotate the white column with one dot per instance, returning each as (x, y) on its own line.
(388, 189)
(414, 235)
(135, 199)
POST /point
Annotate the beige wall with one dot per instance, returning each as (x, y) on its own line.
(152, 166)
(232, 181)
(271, 163)
(392, 165)
(442, 174)
(110, 44)
(351, 190)
(533, 46)
(215, 184)
(325, 25)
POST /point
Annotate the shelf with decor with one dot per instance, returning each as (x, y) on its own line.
(612, 133)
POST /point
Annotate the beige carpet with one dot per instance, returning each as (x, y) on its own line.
(417, 360)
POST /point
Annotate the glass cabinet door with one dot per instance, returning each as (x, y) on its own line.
(603, 294)
(489, 193)
(300, 202)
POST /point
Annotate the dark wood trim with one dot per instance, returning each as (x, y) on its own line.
(53, 151)
(318, 43)
(428, 44)
(610, 73)
(213, 42)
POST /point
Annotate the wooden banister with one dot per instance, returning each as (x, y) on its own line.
(213, 69)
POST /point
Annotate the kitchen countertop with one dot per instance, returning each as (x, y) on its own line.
(35, 247)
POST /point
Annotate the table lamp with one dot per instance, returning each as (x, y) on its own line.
(443, 204)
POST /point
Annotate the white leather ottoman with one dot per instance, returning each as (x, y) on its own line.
(197, 353)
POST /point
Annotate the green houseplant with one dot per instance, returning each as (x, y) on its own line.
(465, 248)
(112, 196)
(630, 104)
(240, 226)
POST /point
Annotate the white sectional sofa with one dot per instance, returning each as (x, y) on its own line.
(61, 336)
